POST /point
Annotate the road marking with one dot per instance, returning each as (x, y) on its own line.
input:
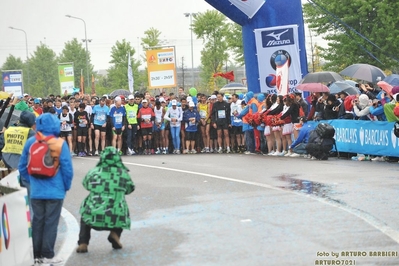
(72, 231)
(373, 221)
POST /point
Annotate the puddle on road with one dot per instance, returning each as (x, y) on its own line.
(306, 186)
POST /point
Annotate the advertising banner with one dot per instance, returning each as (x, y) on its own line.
(13, 82)
(249, 7)
(366, 137)
(278, 59)
(161, 66)
(67, 78)
(16, 246)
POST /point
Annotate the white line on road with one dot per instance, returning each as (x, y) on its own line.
(379, 225)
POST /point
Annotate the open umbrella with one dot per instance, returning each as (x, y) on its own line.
(392, 79)
(385, 86)
(313, 87)
(323, 76)
(13, 119)
(120, 92)
(363, 72)
(339, 86)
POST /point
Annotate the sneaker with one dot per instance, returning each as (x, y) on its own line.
(152, 151)
(89, 154)
(378, 159)
(203, 150)
(271, 153)
(207, 150)
(120, 153)
(289, 153)
(210, 150)
(277, 153)
(228, 150)
(294, 155)
(185, 151)
(96, 153)
(73, 154)
(193, 151)
(313, 158)
(158, 151)
(177, 151)
(51, 262)
(38, 262)
(247, 152)
(220, 150)
(164, 151)
(306, 156)
(133, 152)
(129, 151)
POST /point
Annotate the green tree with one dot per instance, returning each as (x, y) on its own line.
(14, 63)
(212, 28)
(235, 43)
(117, 73)
(149, 41)
(43, 72)
(338, 22)
(75, 53)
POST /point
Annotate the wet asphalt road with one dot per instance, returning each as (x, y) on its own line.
(248, 210)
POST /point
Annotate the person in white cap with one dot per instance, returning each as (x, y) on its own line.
(174, 115)
(146, 116)
(132, 110)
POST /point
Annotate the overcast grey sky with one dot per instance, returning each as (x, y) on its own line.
(106, 21)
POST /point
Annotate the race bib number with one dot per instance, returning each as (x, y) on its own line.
(202, 113)
(101, 117)
(118, 118)
(132, 115)
(146, 118)
(221, 114)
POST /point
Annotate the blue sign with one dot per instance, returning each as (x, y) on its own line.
(12, 82)
(365, 137)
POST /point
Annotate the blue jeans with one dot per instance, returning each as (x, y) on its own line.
(131, 136)
(300, 148)
(44, 226)
(175, 132)
(250, 140)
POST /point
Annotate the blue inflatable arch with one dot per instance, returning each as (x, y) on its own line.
(272, 13)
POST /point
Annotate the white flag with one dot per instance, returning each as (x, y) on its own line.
(249, 7)
(130, 74)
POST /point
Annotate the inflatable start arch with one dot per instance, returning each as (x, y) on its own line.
(273, 39)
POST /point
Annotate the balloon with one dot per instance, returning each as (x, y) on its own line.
(193, 91)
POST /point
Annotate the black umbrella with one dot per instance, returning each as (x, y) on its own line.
(339, 86)
(364, 72)
(120, 92)
(320, 77)
(14, 117)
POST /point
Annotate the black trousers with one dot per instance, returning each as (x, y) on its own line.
(84, 234)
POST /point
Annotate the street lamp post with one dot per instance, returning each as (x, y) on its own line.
(192, 48)
(87, 50)
(27, 54)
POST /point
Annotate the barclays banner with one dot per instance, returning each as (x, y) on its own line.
(278, 59)
(366, 137)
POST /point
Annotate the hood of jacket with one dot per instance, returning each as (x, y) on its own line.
(48, 124)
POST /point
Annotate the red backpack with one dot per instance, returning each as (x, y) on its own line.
(44, 156)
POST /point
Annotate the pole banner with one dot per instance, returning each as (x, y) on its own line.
(13, 82)
(67, 78)
(161, 68)
(278, 59)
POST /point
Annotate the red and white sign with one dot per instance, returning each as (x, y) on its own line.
(249, 7)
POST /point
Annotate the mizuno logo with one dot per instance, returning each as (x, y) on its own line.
(282, 37)
(276, 36)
